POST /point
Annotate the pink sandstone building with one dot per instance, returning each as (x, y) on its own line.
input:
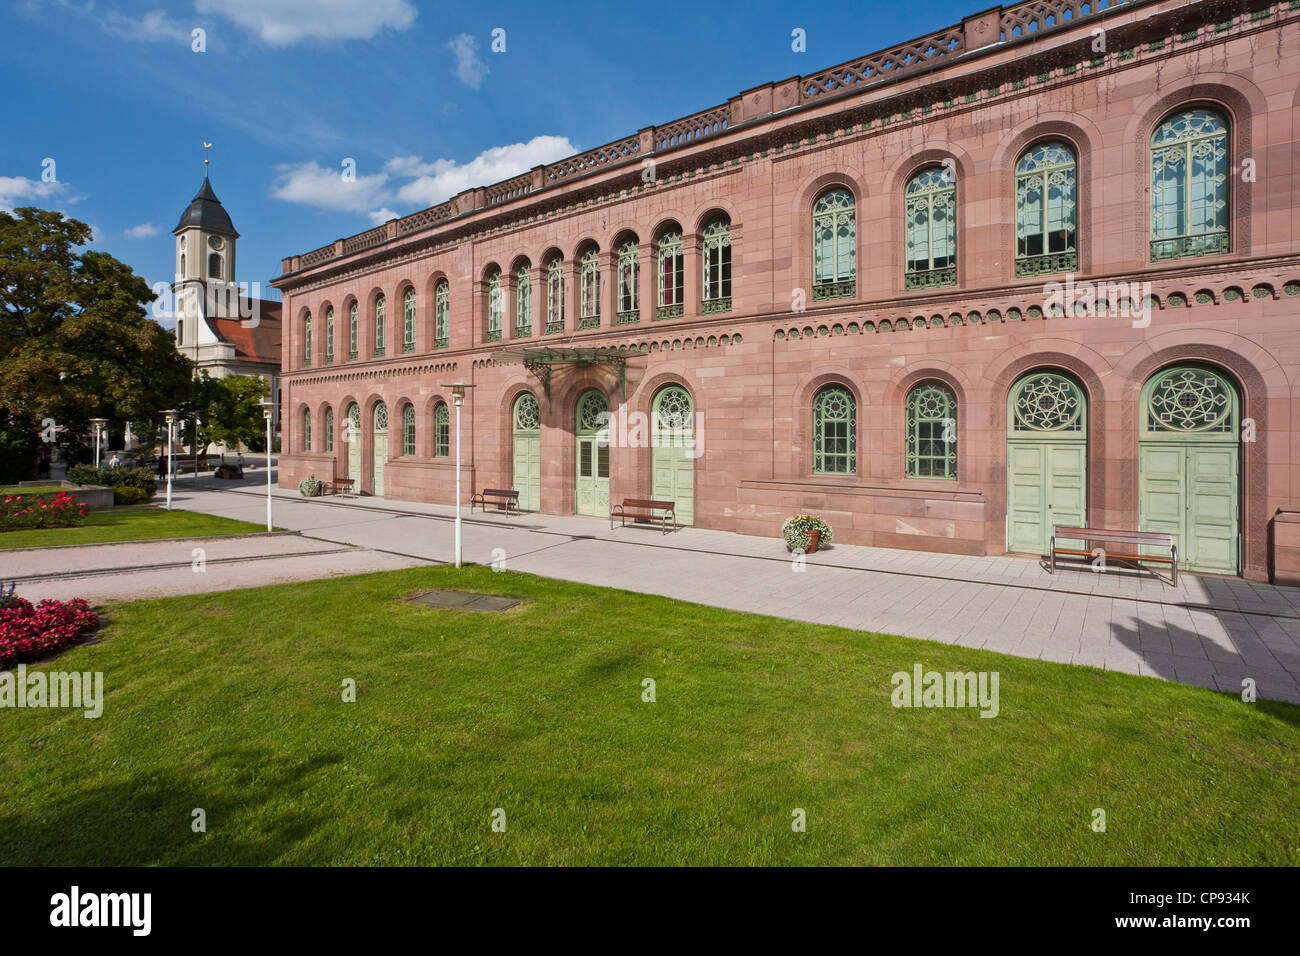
(1039, 268)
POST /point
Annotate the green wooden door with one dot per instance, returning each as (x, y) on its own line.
(353, 435)
(592, 494)
(1047, 460)
(527, 452)
(381, 448)
(672, 424)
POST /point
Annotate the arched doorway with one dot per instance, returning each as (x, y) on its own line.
(352, 436)
(592, 429)
(527, 451)
(1047, 459)
(380, 446)
(672, 450)
(1188, 465)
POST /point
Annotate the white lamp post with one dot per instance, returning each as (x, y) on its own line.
(458, 399)
(99, 424)
(266, 413)
(198, 423)
(171, 426)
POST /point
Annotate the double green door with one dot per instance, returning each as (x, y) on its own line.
(528, 469)
(1047, 485)
(591, 497)
(353, 434)
(1190, 491)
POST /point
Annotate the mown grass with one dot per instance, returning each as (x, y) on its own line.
(131, 523)
(232, 702)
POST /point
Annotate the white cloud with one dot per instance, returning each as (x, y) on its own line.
(426, 183)
(18, 191)
(142, 231)
(153, 27)
(286, 22)
(470, 68)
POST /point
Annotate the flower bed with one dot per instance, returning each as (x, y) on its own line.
(29, 633)
(60, 509)
(795, 531)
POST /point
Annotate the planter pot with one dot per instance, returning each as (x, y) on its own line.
(814, 538)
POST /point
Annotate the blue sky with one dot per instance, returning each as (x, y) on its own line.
(287, 90)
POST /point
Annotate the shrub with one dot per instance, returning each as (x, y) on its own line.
(120, 477)
(126, 495)
(795, 531)
(28, 633)
(228, 471)
(60, 510)
(311, 487)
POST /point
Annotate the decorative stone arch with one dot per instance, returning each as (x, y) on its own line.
(1232, 94)
(805, 195)
(642, 401)
(715, 206)
(896, 180)
(666, 223)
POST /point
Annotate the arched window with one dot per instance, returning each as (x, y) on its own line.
(381, 308)
(180, 331)
(717, 266)
(835, 431)
(671, 276)
(214, 266)
(589, 289)
(495, 307)
(835, 242)
(329, 335)
(1046, 210)
(329, 429)
(629, 275)
(1190, 400)
(441, 314)
(408, 431)
(182, 272)
(306, 429)
(931, 431)
(931, 221)
(1189, 185)
(1047, 404)
(441, 430)
(408, 321)
(306, 340)
(555, 295)
(524, 301)
(353, 319)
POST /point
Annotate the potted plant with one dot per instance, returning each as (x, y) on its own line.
(806, 533)
(311, 487)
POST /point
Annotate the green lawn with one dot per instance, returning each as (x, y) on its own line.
(133, 523)
(231, 702)
(41, 490)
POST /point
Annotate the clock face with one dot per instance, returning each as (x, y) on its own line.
(214, 242)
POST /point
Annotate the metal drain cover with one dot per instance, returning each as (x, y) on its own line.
(464, 600)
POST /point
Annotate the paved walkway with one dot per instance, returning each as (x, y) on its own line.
(1212, 632)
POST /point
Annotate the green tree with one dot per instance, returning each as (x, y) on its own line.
(76, 341)
(230, 410)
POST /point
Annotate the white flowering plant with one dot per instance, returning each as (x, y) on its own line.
(311, 487)
(796, 532)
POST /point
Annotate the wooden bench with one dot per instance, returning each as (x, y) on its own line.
(501, 497)
(1131, 540)
(644, 509)
(341, 486)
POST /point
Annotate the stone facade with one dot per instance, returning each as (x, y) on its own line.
(972, 100)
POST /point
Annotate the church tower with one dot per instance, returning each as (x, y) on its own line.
(205, 287)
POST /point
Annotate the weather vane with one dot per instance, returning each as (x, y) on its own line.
(206, 162)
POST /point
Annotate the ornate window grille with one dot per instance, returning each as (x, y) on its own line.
(528, 414)
(1046, 210)
(441, 314)
(329, 429)
(381, 320)
(931, 431)
(835, 242)
(835, 431)
(671, 276)
(931, 222)
(353, 319)
(494, 306)
(441, 431)
(555, 295)
(629, 280)
(1189, 185)
(408, 431)
(1191, 400)
(1047, 402)
(523, 302)
(329, 336)
(673, 414)
(306, 429)
(589, 289)
(408, 321)
(306, 340)
(717, 267)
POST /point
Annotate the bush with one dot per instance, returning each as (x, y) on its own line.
(28, 633)
(120, 477)
(311, 487)
(126, 495)
(59, 510)
(228, 471)
(795, 531)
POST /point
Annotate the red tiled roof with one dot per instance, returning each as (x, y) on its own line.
(258, 343)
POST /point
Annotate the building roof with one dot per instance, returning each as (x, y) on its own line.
(255, 343)
(206, 212)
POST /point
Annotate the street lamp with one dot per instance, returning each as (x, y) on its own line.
(458, 399)
(99, 424)
(198, 423)
(170, 415)
(267, 406)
